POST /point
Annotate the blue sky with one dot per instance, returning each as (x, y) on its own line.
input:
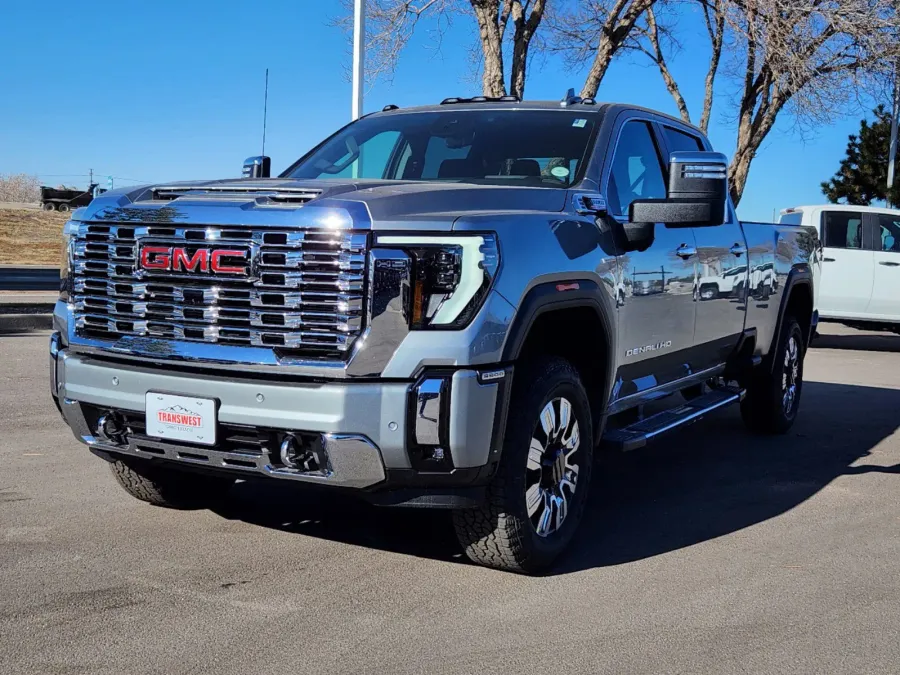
(173, 90)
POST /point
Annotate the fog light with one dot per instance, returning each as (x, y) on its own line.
(295, 456)
(111, 427)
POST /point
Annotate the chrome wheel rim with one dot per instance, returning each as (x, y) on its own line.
(790, 376)
(552, 471)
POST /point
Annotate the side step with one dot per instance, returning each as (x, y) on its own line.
(636, 435)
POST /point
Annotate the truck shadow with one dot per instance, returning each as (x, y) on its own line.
(707, 481)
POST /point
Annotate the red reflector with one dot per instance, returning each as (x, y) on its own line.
(567, 287)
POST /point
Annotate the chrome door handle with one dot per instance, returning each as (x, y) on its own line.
(738, 250)
(887, 263)
(684, 251)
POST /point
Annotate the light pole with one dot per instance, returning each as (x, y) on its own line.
(359, 46)
(892, 152)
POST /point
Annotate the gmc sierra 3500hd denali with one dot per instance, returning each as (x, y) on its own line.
(432, 308)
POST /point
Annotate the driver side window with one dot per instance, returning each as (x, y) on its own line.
(637, 171)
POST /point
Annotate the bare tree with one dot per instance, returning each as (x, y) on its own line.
(594, 32)
(656, 39)
(19, 187)
(392, 23)
(811, 58)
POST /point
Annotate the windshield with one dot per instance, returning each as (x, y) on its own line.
(495, 147)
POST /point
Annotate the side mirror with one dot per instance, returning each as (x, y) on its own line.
(257, 167)
(697, 195)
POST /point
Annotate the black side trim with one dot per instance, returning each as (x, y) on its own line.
(800, 275)
(548, 297)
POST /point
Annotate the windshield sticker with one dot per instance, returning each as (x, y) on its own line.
(559, 171)
(579, 123)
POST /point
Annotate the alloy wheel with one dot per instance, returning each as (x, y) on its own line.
(552, 469)
(790, 377)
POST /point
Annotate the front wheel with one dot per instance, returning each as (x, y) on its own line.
(773, 394)
(164, 486)
(537, 498)
(709, 292)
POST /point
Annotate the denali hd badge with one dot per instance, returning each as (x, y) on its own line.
(648, 348)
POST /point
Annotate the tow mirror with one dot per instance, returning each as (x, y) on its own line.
(257, 167)
(697, 195)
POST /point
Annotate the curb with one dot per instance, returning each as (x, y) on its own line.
(23, 323)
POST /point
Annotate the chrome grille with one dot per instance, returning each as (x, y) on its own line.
(298, 292)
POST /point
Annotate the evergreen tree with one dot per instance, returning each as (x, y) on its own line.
(862, 176)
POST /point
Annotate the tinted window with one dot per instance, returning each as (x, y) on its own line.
(679, 141)
(792, 218)
(888, 233)
(371, 158)
(543, 148)
(636, 170)
(842, 229)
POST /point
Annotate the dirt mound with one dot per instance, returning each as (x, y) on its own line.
(31, 237)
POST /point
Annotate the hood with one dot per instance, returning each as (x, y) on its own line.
(285, 202)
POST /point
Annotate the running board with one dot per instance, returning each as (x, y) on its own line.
(636, 435)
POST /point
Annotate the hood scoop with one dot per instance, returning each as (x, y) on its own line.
(263, 194)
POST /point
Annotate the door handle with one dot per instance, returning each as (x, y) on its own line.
(684, 251)
(828, 259)
(738, 250)
(887, 263)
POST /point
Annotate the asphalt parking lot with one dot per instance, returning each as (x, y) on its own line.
(712, 552)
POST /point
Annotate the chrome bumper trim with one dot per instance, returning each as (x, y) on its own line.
(352, 460)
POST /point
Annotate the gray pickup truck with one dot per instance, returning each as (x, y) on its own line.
(437, 307)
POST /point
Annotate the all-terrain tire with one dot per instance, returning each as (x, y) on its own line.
(171, 488)
(501, 533)
(768, 407)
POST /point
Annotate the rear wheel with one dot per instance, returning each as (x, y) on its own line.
(773, 394)
(536, 500)
(48, 206)
(63, 208)
(163, 486)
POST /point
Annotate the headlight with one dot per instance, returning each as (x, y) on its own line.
(450, 276)
(70, 230)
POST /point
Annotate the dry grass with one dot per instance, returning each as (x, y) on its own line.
(31, 237)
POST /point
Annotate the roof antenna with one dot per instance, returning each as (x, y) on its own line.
(570, 98)
(265, 111)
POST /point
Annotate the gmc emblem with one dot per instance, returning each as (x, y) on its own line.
(202, 260)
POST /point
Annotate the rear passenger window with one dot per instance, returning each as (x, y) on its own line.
(678, 141)
(636, 171)
(842, 229)
(889, 233)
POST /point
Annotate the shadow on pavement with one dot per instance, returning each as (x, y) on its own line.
(704, 482)
(870, 342)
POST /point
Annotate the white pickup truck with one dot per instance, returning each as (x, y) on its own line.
(860, 284)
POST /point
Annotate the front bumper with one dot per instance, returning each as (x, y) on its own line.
(365, 433)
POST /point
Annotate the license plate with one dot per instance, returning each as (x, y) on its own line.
(181, 418)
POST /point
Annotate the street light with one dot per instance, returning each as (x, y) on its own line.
(892, 151)
(359, 39)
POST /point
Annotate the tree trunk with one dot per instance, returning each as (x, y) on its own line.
(618, 26)
(486, 13)
(524, 31)
(716, 36)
